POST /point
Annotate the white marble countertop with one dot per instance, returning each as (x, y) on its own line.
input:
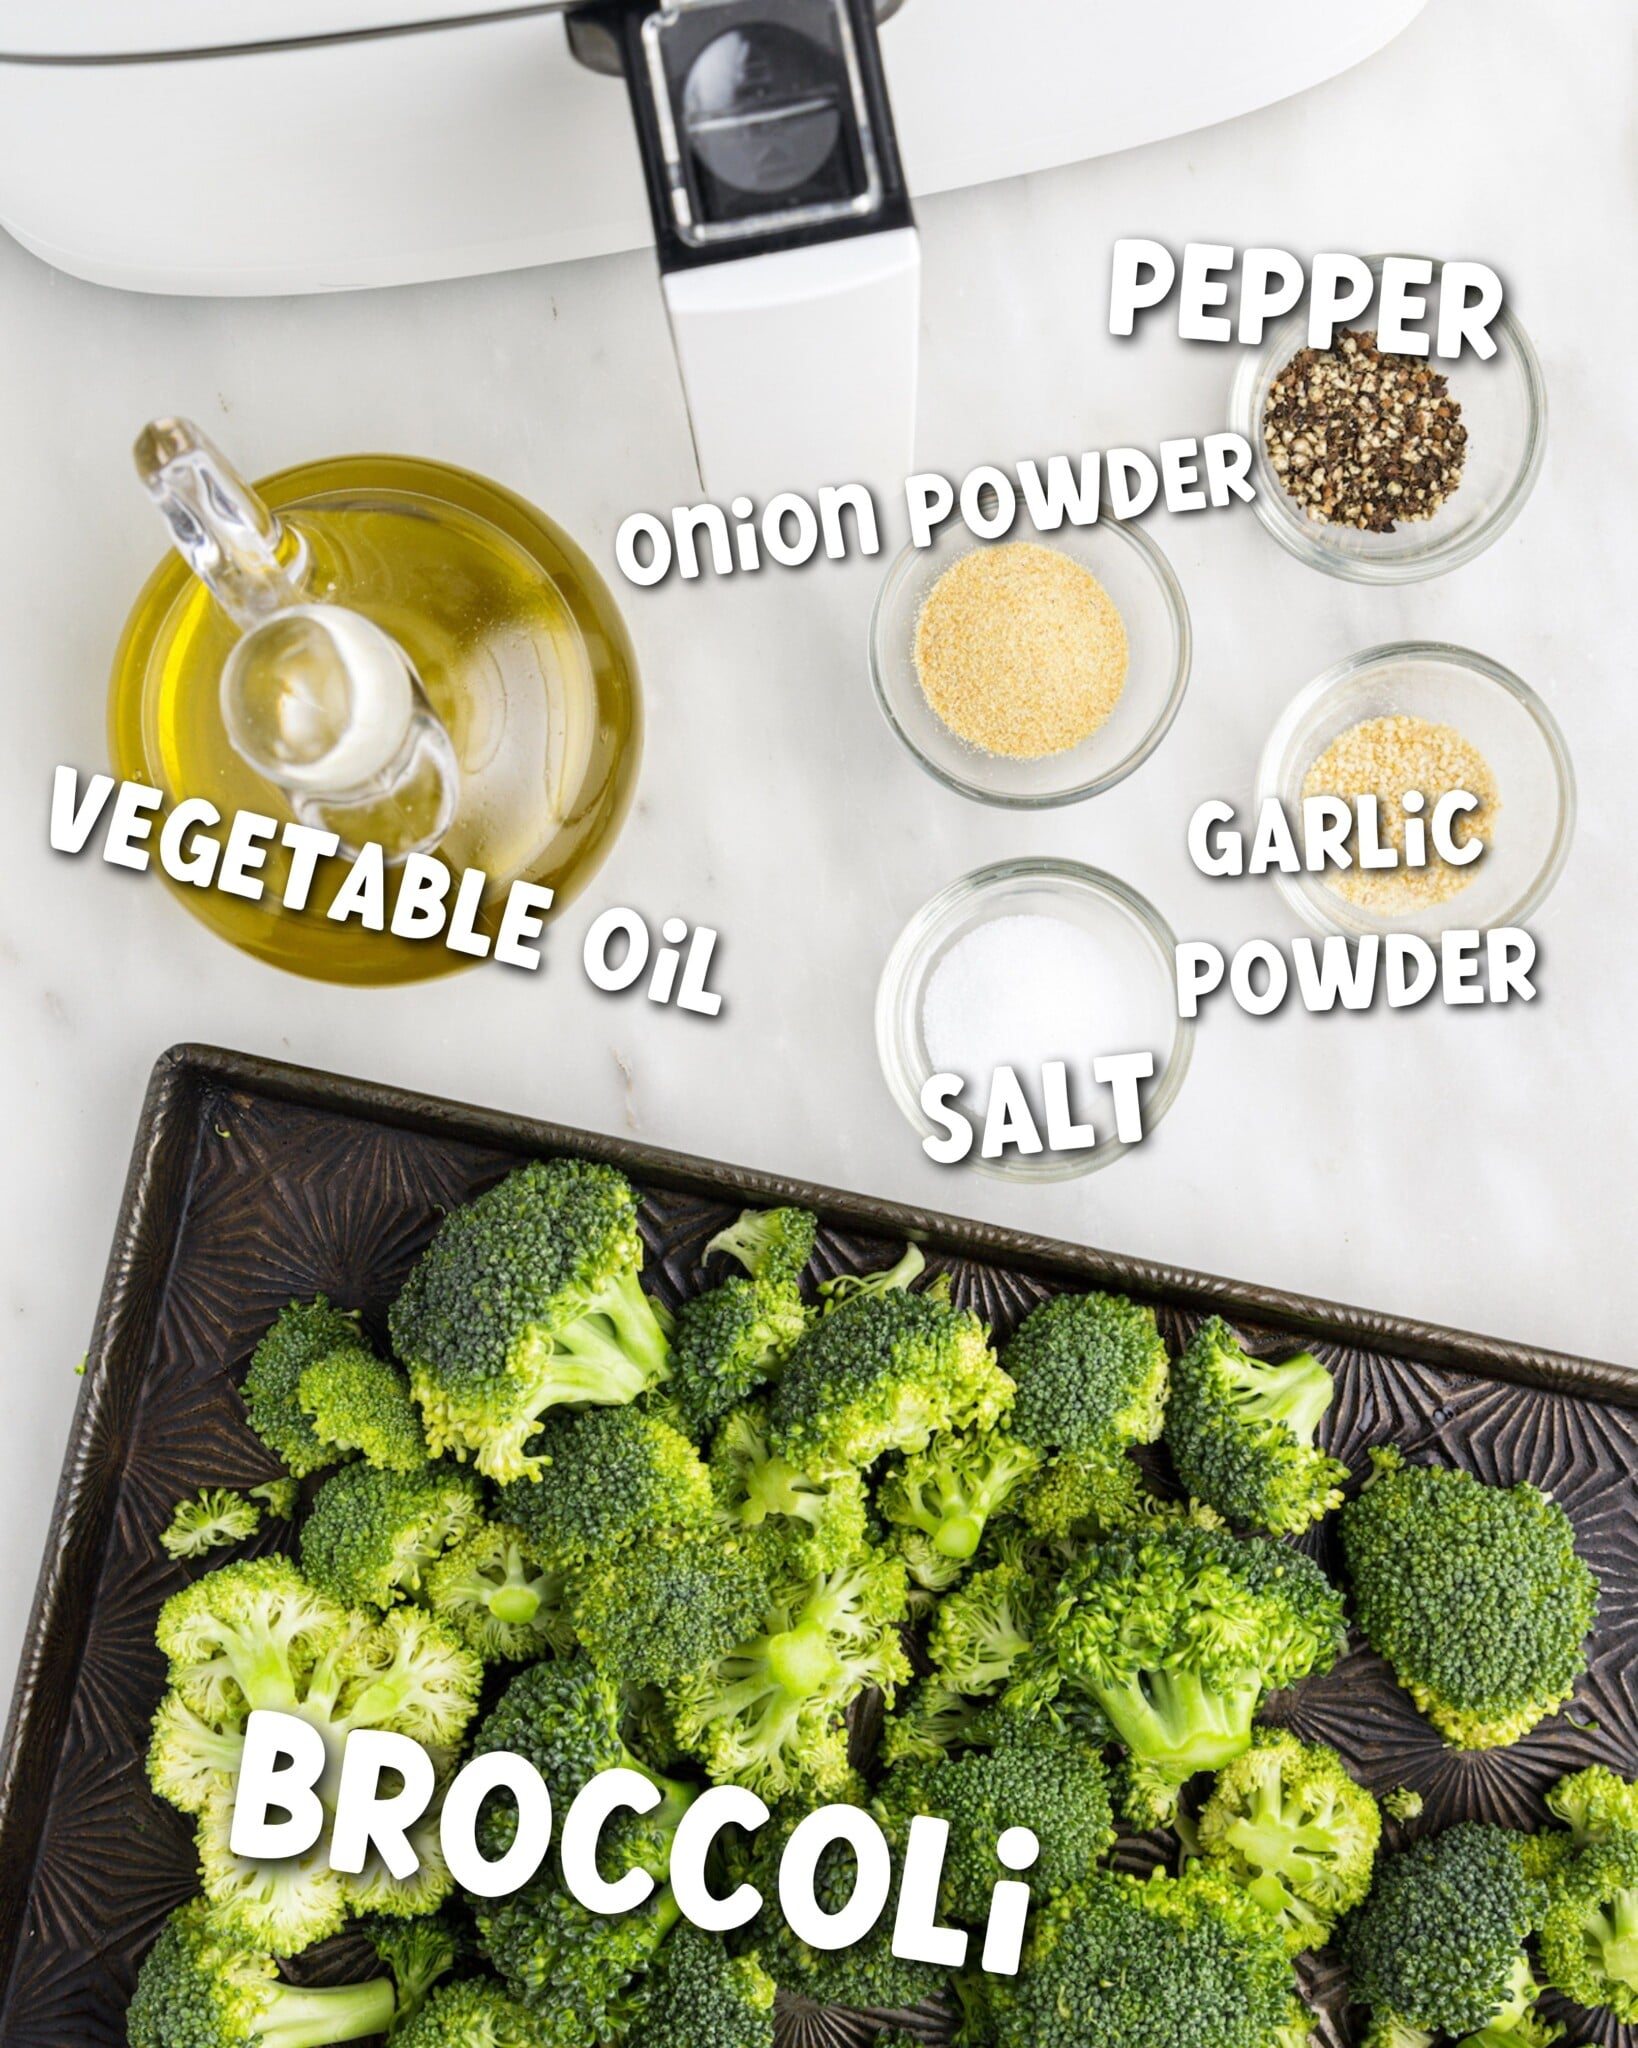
(1465, 1166)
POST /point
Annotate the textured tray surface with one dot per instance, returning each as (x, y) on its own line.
(251, 1185)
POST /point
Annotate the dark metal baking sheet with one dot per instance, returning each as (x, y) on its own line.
(252, 1182)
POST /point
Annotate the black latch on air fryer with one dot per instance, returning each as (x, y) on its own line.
(764, 124)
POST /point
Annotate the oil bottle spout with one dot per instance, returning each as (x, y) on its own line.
(233, 542)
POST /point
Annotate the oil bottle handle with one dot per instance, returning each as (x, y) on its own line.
(251, 564)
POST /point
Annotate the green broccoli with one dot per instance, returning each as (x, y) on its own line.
(727, 1343)
(475, 2013)
(576, 1971)
(564, 1718)
(281, 1497)
(611, 1476)
(1241, 1431)
(200, 1988)
(1036, 1778)
(304, 1333)
(496, 1591)
(982, 1629)
(866, 1977)
(770, 1713)
(771, 1244)
(942, 1498)
(700, 1995)
(884, 1371)
(371, 1536)
(215, 1519)
(528, 1298)
(1438, 1945)
(358, 1402)
(1287, 1824)
(1179, 1634)
(822, 1513)
(1595, 1804)
(929, 1721)
(1164, 1963)
(258, 1635)
(1402, 1804)
(662, 1610)
(1589, 1939)
(1517, 2025)
(1091, 1372)
(420, 1953)
(1473, 1593)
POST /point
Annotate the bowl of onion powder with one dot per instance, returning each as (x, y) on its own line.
(1029, 672)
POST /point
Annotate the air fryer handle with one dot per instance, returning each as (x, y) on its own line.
(788, 250)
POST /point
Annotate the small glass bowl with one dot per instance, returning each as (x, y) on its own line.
(1499, 715)
(1504, 408)
(1137, 577)
(1137, 937)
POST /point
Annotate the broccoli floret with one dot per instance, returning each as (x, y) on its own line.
(1091, 1371)
(200, 1988)
(1119, 1963)
(1473, 1593)
(982, 1629)
(1595, 1804)
(574, 1970)
(564, 1717)
(496, 1591)
(1589, 1940)
(258, 1635)
(304, 1333)
(1037, 1778)
(371, 1536)
(867, 1977)
(1241, 1431)
(930, 1721)
(1438, 1945)
(822, 1514)
(662, 1610)
(770, 1713)
(1179, 1634)
(1402, 1804)
(1287, 1824)
(942, 1499)
(727, 1343)
(215, 1519)
(528, 1299)
(884, 1371)
(700, 1995)
(419, 1952)
(359, 1402)
(281, 1497)
(771, 1244)
(474, 2014)
(612, 1476)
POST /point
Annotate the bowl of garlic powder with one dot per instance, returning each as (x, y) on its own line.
(1418, 720)
(1028, 672)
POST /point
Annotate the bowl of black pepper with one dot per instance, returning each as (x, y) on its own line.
(1385, 467)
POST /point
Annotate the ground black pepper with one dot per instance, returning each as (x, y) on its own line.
(1363, 439)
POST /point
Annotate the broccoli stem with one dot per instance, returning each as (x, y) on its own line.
(1615, 1931)
(298, 2018)
(959, 1535)
(516, 1606)
(778, 1488)
(1295, 1394)
(1176, 1724)
(801, 1661)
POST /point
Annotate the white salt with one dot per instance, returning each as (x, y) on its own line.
(1021, 990)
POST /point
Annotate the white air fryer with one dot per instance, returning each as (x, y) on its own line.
(768, 148)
